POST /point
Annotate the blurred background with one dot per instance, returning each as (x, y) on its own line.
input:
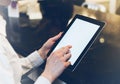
(110, 6)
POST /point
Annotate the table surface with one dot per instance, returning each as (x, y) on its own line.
(101, 65)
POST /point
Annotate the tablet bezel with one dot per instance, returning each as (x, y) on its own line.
(87, 19)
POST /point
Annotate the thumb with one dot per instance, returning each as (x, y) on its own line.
(55, 38)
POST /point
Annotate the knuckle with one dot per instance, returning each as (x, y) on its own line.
(56, 54)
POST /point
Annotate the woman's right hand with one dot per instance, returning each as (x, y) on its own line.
(57, 62)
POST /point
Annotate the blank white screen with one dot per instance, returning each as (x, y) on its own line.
(79, 35)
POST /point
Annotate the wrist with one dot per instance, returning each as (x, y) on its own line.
(41, 54)
(48, 76)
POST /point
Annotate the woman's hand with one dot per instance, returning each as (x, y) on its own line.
(48, 45)
(56, 63)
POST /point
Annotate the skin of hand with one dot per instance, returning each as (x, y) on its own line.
(48, 45)
(57, 62)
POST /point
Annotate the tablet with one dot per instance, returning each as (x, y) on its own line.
(80, 33)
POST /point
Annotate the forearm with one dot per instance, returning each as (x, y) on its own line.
(30, 62)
